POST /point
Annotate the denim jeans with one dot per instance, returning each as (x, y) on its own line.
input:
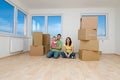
(72, 55)
(53, 54)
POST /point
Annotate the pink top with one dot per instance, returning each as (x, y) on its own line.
(54, 43)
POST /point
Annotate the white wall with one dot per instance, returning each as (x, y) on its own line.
(9, 45)
(71, 24)
(117, 30)
(4, 46)
(27, 44)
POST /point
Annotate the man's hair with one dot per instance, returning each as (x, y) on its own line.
(59, 35)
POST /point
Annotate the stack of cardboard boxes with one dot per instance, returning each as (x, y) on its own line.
(46, 43)
(87, 34)
(41, 44)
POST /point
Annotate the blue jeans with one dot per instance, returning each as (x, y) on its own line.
(72, 55)
(53, 54)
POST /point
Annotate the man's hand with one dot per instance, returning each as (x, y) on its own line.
(53, 47)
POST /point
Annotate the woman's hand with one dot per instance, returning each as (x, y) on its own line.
(68, 55)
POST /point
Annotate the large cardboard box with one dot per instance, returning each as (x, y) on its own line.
(37, 39)
(36, 50)
(87, 55)
(46, 39)
(89, 22)
(89, 45)
(46, 48)
(87, 34)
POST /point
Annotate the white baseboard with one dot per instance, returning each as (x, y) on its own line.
(118, 53)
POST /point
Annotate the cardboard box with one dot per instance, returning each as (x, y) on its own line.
(37, 39)
(46, 48)
(87, 55)
(89, 45)
(89, 22)
(87, 34)
(36, 50)
(46, 39)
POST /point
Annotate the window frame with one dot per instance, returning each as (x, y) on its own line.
(25, 22)
(14, 34)
(46, 21)
(32, 23)
(98, 14)
(9, 33)
(61, 23)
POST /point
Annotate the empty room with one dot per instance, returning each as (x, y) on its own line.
(59, 39)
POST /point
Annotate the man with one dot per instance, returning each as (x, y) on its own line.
(56, 50)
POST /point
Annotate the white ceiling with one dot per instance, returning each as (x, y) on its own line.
(55, 4)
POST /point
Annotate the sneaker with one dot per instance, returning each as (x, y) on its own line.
(72, 57)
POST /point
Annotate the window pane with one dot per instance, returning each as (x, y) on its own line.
(54, 25)
(21, 23)
(6, 17)
(101, 26)
(38, 23)
(101, 31)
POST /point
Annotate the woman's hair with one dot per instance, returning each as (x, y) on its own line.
(69, 42)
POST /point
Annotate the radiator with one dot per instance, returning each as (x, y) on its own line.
(16, 44)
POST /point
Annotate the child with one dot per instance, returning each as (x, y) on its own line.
(54, 42)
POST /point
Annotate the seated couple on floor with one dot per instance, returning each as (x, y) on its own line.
(67, 51)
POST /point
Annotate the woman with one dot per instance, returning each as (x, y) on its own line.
(68, 49)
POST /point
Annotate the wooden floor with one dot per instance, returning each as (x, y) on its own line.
(25, 67)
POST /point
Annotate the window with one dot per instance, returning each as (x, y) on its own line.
(38, 23)
(101, 26)
(21, 23)
(6, 17)
(101, 32)
(47, 24)
(54, 25)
